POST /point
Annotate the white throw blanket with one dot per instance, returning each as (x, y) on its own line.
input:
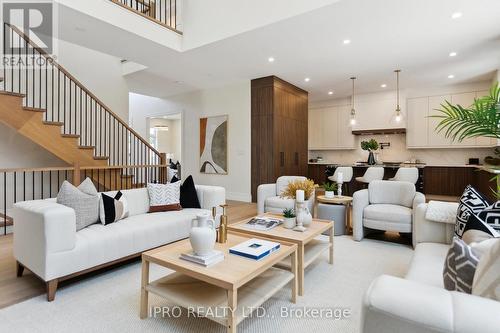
(440, 211)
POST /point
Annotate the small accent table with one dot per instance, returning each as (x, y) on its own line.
(343, 200)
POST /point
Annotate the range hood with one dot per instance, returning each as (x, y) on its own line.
(380, 131)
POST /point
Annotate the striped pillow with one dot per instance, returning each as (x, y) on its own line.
(113, 209)
(164, 197)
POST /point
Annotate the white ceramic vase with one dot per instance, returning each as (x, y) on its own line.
(303, 214)
(202, 235)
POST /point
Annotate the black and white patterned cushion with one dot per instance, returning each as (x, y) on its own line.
(476, 230)
(491, 215)
(112, 209)
(472, 201)
(164, 197)
(459, 267)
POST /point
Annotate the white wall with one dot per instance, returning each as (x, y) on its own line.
(168, 141)
(398, 151)
(233, 100)
(100, 73)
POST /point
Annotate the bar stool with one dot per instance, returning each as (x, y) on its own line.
(406, 175)
(347, 173)
(371, 174)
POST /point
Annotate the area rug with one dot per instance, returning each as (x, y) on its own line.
(109, 302)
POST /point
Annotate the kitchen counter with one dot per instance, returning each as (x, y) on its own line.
(417, 165)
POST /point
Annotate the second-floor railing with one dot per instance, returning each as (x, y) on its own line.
(165, 12)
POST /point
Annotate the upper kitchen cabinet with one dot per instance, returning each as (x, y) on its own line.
(421, 126)
(375, 112)
(329, 129)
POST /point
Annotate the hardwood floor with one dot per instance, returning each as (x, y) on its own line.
(15, 290)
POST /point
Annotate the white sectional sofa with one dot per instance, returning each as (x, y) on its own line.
(419, 303)
(46, 241)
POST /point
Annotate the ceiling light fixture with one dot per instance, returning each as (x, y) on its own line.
(456, 15)
(398, 115)
(330, 93)
(161, 128)
(270, 59)
(451, 76)
(353, 110)
(307, 79)
(383, 85)
(453, 54)
(347, 41)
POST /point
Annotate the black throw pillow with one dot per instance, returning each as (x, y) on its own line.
(471, 202)
(189, 197)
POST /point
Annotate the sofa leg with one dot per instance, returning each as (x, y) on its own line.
(51, 289)
(19, 269)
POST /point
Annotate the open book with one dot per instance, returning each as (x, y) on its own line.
(263, 223)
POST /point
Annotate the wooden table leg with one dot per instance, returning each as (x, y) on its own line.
(301, 269)
(348, 218)
(144, 292)
(330, 256)
(293, 257)
(232, 301)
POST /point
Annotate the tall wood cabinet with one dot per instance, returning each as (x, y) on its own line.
(279, 131)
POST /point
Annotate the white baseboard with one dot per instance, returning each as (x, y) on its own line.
(237, 196)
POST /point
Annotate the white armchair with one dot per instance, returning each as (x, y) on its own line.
(385, 205)
(269, 200)
(418, 303)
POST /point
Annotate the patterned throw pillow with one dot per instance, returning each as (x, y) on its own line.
(84, 200)
(459, 267)
(476, 230)
(491, 215)
(487, 276)
(113, 209)
(471, 201)
(164, 197)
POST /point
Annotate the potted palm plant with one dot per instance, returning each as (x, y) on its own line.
(480, 119)
(330, 189)
(370, 146)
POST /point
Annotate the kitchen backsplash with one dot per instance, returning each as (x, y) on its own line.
(398, 152)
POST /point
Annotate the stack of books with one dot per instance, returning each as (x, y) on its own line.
(208, 260)
(255, 248)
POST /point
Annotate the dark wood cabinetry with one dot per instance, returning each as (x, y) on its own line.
(279, 131)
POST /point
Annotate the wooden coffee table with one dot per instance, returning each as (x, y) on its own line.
(309, 248)
(234, 287)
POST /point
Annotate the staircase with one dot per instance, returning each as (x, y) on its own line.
(46, 104)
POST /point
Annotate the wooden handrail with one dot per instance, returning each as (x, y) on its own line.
(105, 167)
(82, 87)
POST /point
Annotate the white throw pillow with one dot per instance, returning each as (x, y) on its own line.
(84, 200)
(487, 276)
(164, 197)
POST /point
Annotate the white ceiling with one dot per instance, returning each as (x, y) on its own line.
(414, 35)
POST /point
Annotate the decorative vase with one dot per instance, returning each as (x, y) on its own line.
(304, 217)
(371, 159)
(202, 236)
(289, 222)
(329, 194)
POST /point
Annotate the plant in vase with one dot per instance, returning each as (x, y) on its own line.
(370, 146)
(480, 119)
(289, 218)
(300, 191)
(330, 189)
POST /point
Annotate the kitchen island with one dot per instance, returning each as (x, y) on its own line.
(438, 180)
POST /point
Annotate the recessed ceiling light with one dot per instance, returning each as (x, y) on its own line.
(270, 59)
(453, 54)
(456, 15)
(451, 76)
(347, 41)
(383, 85)
(307, 79)
(330, 93)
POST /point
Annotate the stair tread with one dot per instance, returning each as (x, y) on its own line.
(101, 157)
(28, 108)
(53, 123)
(3, 92)
(86, 147)
(75, 136)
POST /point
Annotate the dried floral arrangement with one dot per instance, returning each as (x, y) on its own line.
(306, 185)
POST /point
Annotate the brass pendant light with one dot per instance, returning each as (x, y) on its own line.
(353, 110)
